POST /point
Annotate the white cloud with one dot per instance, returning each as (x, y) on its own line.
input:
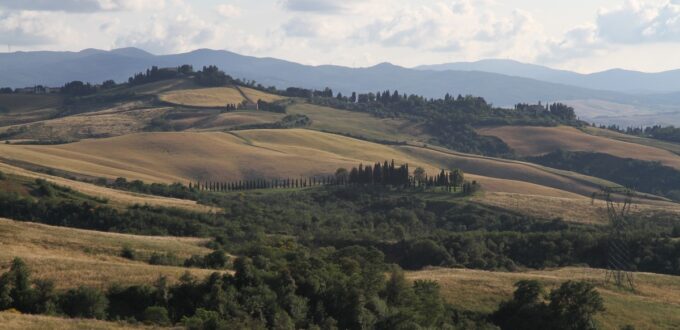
(24, 29)
(579, 42)
(640, 22)
(451, 27)
(228, 11)
(81, 6)
(326, 6)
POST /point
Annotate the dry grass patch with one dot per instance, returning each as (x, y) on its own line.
(531, 141)
(204, 97)
(17, 321)
(653, 306)
(191, 156)
(670, 146)
(230, 120)
(115, 197)
(359, 124)
(72, 257)
(255, 95)
(111, 122)
(28, 102)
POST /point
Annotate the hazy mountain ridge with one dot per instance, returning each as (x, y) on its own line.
(619, 80)
(504, 88)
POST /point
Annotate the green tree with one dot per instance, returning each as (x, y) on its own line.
(420, 175)
(575, 304)
(156, 315)
(84, 302)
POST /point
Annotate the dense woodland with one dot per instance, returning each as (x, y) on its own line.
(412, 230)
(341, 289)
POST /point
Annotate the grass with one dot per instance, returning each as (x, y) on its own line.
(73, 257)
(12, 321)
(192, 156)
(670, 146)
(27, 102)
(116, 198)
(530, 141)
(254, 95)
(119, 120)
(653, 306)
(204, 97)
(358, 124)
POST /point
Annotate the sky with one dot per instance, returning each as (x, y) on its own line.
(580, 35)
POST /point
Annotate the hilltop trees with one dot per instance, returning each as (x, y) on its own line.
(212, 76)
(154, 74)
(78, 88)
(562, 111)
(383, 174)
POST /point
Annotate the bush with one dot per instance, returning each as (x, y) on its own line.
(156, 315)
(128, 253)
(2, 175)
(216, 260)
(84, 302)
(168, 259)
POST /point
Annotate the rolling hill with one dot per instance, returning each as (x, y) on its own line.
(56, 68)
(532, 141)
(654, 303)
(191, 156)
(73, 257)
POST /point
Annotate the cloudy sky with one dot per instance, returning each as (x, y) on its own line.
(581, 35)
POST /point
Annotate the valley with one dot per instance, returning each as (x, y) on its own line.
(164, 178)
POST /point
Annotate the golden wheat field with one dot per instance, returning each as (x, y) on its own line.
(204, 97)
(532, 141)
(72, 257)
(654, 305)
(254, 95)
(197, 156)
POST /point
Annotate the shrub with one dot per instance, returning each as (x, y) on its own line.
(216, 260)
(156, 315)
(84, 302)
(128, 253)
(168, 259)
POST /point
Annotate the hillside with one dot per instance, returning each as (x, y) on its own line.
(57, 68)
(73, 257)
(114, 197)
(17, 321)
(531, 141)
(654, 303)
(189, 156)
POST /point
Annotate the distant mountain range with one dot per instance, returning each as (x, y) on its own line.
(613, 80)
(501, 82)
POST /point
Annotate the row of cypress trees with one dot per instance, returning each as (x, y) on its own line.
(385, 173)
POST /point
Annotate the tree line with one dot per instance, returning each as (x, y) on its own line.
(344, 289)
(665, 133)
(384, 174)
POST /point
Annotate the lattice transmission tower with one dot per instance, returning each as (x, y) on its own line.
(619, 264)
